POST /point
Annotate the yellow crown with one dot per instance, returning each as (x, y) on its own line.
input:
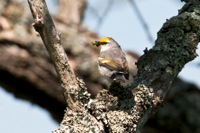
(105, 39)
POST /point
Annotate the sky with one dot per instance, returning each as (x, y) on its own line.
(21, 116)
(121, 23)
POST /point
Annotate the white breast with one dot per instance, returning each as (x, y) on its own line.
(104, 48)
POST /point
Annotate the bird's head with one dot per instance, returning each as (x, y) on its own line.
(102, 42)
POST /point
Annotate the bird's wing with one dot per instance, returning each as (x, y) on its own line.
(112, 64)
(114, 59)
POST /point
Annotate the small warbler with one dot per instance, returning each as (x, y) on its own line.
(112, 61)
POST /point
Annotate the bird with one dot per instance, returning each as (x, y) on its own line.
(112, 61)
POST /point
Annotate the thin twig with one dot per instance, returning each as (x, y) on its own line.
(142, 20)
(105, 14)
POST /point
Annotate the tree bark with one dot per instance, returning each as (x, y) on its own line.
(113, 110)
(180, 111)
(156, 70)
(25, 63)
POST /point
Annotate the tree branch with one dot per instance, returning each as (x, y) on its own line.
(175, 46)
(115, 110)
(44, 25)
(142, 20)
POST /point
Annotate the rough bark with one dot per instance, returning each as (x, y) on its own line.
(175, 46)
(180, 111)
(51, 38)
(26, 59)
(156, 70)
(25, 67)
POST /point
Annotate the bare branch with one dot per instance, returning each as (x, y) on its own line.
(44, 25)
(102, 18)
(142, 20)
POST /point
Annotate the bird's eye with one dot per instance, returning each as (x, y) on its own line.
(103, 43)
(97, 44)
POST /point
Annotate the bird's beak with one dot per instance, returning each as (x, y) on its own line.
(96, 43)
